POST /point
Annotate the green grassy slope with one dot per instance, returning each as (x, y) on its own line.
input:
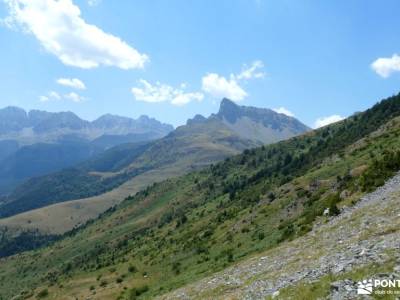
(203, 143)
(124, 170)
(326, 263)
(186, 228)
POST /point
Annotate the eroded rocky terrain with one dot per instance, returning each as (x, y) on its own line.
(365, 235)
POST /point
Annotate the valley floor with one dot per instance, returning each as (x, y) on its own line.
(363, 242)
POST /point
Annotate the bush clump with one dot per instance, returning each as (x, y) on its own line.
(42, 294)
(136, 292)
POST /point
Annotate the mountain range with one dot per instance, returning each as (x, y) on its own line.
(120, 172)
(303, 218)
(41, 126)
(38, 142)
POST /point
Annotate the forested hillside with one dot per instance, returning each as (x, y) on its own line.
(189, 147)
(186, 228)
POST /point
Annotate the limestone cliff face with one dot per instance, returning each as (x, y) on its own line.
(261, 124)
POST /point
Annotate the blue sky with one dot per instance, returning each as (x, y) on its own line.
(177, 58)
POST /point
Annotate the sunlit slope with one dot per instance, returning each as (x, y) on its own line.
(124, 170)
(185, 150)
(183, 229)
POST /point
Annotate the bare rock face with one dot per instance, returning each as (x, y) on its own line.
(12, 119)
(262, 124)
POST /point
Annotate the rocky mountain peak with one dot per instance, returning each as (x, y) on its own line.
(196, 120)
(229, 110)
(12, 119)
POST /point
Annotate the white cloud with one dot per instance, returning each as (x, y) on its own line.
(54, 96)
(72, 82)
(386, 66)
(50, 96)
(252, 71)
(74, 97)
(283, 110)
(321, 122)
(219, 86)
(184, 98)
(60, 29)
(160, 92)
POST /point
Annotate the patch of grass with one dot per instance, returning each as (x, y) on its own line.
(321, 288)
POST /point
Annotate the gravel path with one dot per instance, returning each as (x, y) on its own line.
(360, 235)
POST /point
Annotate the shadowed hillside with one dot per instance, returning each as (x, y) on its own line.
(38, 143)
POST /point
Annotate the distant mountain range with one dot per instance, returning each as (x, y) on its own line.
(41, 126)
(202, 141)
(39, 142)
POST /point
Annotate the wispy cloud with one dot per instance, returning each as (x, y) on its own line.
(94, 2)
(385, 66)
(50, 96)
(62, 31)
(283, 110)
(219, 86)
(159, 92)
(74, 97)
(321, 122)
(72, 82)
(55, 96)
(252, 71)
